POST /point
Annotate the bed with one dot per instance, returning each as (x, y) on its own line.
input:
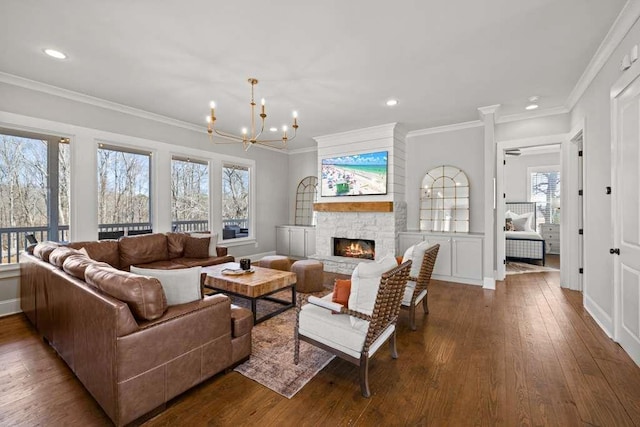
(525, 244)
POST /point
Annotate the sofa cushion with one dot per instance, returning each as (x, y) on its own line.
(203, 262)
(142, 249)
(196, 247)
(213, 241)
(162, 265)
(76, 265)
(175, 244)
(44, 249)
(365, 281)
(143, 295)
(101, 250)
(60, 254)
(180, 286)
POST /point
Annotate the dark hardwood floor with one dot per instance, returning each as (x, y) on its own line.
(525, 354)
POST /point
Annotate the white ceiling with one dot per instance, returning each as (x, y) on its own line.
(335, 62)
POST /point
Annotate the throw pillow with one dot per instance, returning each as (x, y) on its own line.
(341, 292)
(522, 222)
(508, 224)
(212, 243)
(180, 286)
(196, 247)
(365, 282)
(416, 254)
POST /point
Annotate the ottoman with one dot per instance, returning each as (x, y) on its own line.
(309, 274)
(276, 262)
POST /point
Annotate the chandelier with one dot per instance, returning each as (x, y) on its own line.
(252, 136)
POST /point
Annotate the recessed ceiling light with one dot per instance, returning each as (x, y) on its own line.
(392, 102)
(55, 54)
(533, 98)
(273, 129)
(531, 107)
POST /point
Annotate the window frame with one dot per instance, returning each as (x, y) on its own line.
(208, 164)
(251, 212)
(542, 169)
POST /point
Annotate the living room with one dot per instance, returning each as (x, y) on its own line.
(93, 99)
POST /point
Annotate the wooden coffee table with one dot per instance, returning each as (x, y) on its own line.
(260, 284)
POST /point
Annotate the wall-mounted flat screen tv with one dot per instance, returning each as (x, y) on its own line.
(355, 175)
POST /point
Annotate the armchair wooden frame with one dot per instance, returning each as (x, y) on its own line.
(385, 314)
(422, 283)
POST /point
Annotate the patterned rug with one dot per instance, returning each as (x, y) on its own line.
(271, 363)
(514, 267)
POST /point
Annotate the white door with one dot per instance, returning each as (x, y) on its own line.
(626, 217)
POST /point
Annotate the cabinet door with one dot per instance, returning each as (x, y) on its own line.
(296, 242)
(443, 262)
(467, 258)
(309, 242)
(282, 240)
(405, 240)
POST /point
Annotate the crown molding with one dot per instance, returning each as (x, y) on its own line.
(302, 150)
(445, 128)
(621, 26)
(489, 109)
(97, 102)
(365, 134)
(533, 114)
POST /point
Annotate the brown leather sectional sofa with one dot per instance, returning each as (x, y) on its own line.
(132, 354)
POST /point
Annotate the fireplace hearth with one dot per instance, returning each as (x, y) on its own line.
(354, 248)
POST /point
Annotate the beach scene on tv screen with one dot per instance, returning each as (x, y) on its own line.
(356, 175)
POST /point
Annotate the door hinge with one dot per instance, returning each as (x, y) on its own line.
(504, 228)
(504, 162)
(581, 231)
(581, 270)
(504, 195)
(608, 190)
(580, 153)
(504, 261)
(614, 251)
(579, 192)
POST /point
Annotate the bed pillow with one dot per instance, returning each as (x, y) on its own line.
(508, 224)
(180, 286)
(522, 222)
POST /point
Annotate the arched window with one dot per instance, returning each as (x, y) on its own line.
(306, 195)
(444, 200)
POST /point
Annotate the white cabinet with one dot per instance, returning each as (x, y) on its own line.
(459, 258)
(295, 241)
(551, 235)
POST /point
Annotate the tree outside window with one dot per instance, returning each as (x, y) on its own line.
(34, 191)
(235, 201)
(545, 191)
(189, 194)
(123, 190)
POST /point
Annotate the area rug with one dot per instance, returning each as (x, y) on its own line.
(271, 362)
(522, 267)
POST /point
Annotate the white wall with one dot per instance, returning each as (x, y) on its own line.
(515, 173)
(594, 107)
(301, 165)
(461, 148)
(531, 128)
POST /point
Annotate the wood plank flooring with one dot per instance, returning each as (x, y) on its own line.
(525, 354)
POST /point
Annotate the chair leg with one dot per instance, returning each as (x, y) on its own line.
(412, 315)
(392, 345)
(364, 375)
(425, 305)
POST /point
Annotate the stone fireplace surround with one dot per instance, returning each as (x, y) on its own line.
(381, 227)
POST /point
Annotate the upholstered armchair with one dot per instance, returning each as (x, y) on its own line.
(424, 257)
(356, 334)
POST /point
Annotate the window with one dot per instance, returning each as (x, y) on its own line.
(544, 189)
(123, 192)
(189, 195)
(235, 201)
(30, 165)
(306, 195)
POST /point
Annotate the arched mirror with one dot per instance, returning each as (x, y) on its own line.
(444, 200)
(306, 195)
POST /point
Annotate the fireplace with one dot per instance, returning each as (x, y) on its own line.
(354, 248)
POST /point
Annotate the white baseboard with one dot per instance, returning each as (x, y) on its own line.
(454, 279)
(599, 315)
(10, 306)
(489, 283)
